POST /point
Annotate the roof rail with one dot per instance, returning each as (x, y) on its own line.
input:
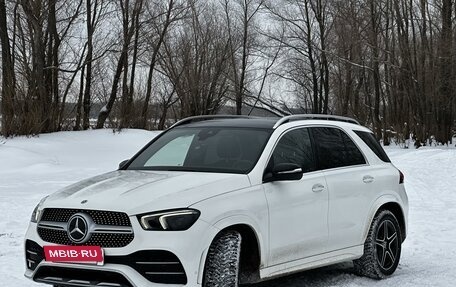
(292, 118)
(206, 118)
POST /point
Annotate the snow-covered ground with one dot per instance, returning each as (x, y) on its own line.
(31, 168)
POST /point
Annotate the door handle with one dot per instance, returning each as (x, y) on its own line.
(368, 179)
(318, 187)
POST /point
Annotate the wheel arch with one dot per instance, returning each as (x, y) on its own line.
(251, 254)
(390, 203)
(396, 209)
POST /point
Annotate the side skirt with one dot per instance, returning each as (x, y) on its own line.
(316, 261)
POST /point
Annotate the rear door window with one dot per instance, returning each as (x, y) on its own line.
(373, 144)
(335, 148)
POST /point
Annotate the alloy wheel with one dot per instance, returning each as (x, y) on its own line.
(387, 244)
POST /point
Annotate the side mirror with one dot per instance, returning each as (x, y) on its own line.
(283, 172)
(123, 163)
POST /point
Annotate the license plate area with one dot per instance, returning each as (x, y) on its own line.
(74, 254)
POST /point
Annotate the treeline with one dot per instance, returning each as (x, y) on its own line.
(388, 63)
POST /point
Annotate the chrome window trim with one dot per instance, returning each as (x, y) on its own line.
(313, 126)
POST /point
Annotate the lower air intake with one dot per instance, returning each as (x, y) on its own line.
(34, 254)
(157, 266)
(67, 277)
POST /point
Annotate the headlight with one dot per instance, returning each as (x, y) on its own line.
(174, 220)
(36, 214)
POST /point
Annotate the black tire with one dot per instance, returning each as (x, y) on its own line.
(222, 263)
(382, 249)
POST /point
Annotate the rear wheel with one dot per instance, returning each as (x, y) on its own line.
(222, 263)
(382, 249)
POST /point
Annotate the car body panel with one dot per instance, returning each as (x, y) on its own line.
(349, 200)
(312, 262)
(200, 234)
(399, 198)
(242, 207)
(298, 218)
(137, 192)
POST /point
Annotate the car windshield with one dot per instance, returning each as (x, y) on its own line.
(204, 149)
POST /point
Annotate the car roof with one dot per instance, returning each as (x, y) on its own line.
(247, 122)
(224, 121)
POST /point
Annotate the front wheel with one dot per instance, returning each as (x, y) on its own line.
(382, 249)
(222, 263)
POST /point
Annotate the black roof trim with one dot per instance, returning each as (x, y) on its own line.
(269, 122)
(206, 118)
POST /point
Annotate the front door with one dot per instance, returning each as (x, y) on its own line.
(298, 210)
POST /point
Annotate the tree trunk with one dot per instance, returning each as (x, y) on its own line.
(128, 34)
(153, 61)
(79, 112)
(104, 113)
(310, 50)
(89, 58)
(8, 89)
(446, 88)
(376, 69)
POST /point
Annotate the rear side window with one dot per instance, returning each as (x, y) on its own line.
(335, 149)
(295, 147)
(373, 144)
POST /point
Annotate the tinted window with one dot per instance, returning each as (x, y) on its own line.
(335, 148)
(373, 144)
(205, 149)
(294, 147)
(352, 154)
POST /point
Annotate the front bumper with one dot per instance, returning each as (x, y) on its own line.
(190, 247)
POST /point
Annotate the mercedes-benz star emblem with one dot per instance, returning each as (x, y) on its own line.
(78, 228)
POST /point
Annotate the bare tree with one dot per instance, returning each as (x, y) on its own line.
(307, 60)
(174, 11)
(8, 89)
(241, 42)
(445, 112)
(128, 28)
(197, 61)
(94, 10)
(389, 63)
(128, 86)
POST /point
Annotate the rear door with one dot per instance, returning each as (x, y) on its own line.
(349, 184)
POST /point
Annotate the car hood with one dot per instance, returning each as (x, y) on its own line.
(136, 192)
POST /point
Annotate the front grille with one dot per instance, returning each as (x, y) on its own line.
(55, 219)
(106, 240)
(34, 254)
(100, 217)
(60, 276)
(157, 266)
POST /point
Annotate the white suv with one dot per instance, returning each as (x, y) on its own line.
(226, 200)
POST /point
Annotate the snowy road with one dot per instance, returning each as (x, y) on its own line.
(32, 168)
